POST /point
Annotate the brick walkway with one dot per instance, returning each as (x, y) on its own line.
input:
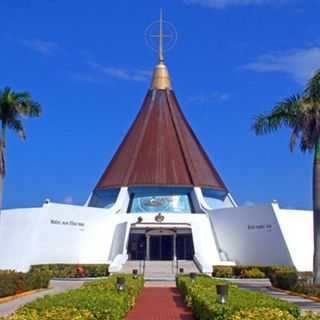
(160, 304)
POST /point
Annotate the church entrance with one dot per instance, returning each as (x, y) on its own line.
(184, 246)
(137, 246)
(159, 245)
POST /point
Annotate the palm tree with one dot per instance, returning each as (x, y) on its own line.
(301, 114)
(14, 106)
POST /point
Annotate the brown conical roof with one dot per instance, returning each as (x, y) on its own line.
(160, 149)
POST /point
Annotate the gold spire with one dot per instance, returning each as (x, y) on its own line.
(161, 79)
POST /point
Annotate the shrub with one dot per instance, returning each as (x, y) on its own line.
(7, 283)
(308, 289)
(285, 279)
(262, 314)
(253, 273)
(222, 271)
(12, 282)
(73, 270)
(201, 297)
(310, 316)
(95, 300)
(52, 314)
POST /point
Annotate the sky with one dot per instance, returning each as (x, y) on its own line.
(88, 65)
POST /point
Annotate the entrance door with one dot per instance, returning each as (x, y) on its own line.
(161, 247)
(184, 245)
(137, 246)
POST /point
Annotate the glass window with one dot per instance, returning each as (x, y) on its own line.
(104, 198)
(173, 200)
(214, 198)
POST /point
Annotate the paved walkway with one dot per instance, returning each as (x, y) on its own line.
(159, 304)
(56, 286)
(265, 287)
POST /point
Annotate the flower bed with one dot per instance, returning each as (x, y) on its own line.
(201, 297)
(95, 300)
(72, 270)
(12, 282)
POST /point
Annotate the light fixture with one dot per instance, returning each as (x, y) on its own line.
(120, 283)
(222, 293)
(181, 270)
(135, 273)
(193, 276)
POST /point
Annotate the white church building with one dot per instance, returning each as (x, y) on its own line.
(160, 198)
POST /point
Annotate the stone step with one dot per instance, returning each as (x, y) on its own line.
(160, 269)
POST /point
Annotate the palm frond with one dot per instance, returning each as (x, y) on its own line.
(22, 95)
(312, 90)
(284, 114)
(17, 126)
(29, 108)
(293, 138)
(305, 146)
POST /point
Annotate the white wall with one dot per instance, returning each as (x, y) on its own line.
(55, 234)
(251, 235)
(58, 233)
(297, 229)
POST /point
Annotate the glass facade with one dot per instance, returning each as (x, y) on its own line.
(175, 200)
(104, 198)
(214, 198)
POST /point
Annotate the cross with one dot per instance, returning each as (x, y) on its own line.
(161, 37)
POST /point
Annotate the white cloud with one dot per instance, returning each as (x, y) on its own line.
(221, 4)
(41, 46)
(299, 64)
(68, 200)
(209, 98)
(122, 73)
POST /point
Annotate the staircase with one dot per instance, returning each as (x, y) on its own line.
(160, 270)
(133, 264)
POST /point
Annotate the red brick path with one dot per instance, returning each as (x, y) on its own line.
(159, 304)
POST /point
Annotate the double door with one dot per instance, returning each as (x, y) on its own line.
(161, 247)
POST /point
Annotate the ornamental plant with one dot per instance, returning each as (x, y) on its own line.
(98, 300)
(201, 297)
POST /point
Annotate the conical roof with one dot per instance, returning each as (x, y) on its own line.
(160, 149)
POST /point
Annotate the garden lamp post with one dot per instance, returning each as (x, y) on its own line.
(222, 293)
(135, 273)
(193, 276)
(120, 284)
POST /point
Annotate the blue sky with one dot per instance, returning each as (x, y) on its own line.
(89, 67)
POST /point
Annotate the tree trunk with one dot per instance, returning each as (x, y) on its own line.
(316, 214)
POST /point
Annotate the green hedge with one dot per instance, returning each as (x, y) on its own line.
(201, 297)
(12, 282)
(270, 314)
(98, 300)
(308, 289)
(283, 277)
(73, 270)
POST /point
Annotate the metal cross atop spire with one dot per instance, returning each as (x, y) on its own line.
(161, 35)
(164, 32)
